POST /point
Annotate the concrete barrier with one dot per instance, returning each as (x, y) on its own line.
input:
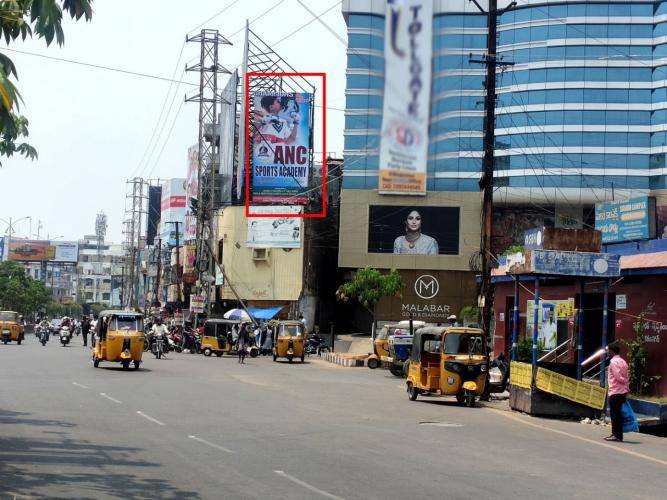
(348, 360)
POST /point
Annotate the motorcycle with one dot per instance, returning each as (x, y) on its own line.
(65, 335)
(315, 344)
(158, 345)
(499, 376)
(43, 335)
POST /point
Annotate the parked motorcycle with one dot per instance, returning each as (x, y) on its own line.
(315, 344)
(65, 335)
(499, 376)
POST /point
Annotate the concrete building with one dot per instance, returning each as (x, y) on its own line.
(99, 272)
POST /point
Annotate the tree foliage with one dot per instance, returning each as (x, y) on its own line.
(21, 19)
(638, 358)
(369, 285)
(19, 292)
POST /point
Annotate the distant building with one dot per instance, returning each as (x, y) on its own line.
(99, 272)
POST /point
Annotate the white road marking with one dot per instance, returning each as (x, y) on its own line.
(109, 398)
(148, 417)
(441, 424)
(212, 445)
(80, 385)
(307, 486)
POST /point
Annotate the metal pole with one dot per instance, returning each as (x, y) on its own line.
(535, 323)
(515, 320)
(580, 335)
(605, 327)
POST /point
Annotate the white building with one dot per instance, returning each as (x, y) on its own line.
(99, 272)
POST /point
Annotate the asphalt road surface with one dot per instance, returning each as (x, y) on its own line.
(195, 427)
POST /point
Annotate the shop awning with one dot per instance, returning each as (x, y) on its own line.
(267, 313)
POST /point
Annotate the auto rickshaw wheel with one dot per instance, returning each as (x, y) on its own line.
(136, 364)
(413, 392)
(126, 364)
(373, 363)
(207, 352)
(396, 370)
(19, 340)
(470, 400)
(96, 362)
(218, 354)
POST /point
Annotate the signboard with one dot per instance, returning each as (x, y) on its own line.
(621, 301)
(227, 138)
(552, 321)
(549, 238)
(42, 251)
(407, 94)
(532, 239)
(413, 230)
(154, 196)
(172, 209)
(2, 248)
(197, 304)
(626, 220)
(266, 232)
(575, 263)
(281, 146)
(191, 192)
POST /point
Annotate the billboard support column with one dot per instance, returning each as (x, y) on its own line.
(605, 327)
(536, 321)
(580, 333)
(515, 320)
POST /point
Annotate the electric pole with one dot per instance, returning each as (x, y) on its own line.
(486, 182)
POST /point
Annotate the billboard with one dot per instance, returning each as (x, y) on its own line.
(407, 94)
(172, 210)
(413, 230)
(281, 146)
(2, 248)
(42, 251)
(281, 232)
(154, 195)
(626, 220)
(556, 262)
(191, 191)
(228, 138)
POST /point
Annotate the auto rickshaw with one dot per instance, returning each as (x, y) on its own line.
(120, 338)
(11, 327)
(288, 340)
(217, 336)
(448, 361)
(381, 349)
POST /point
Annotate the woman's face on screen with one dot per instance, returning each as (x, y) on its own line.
(414, 221)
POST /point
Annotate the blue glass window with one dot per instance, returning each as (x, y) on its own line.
(366, 21)
(365, 42)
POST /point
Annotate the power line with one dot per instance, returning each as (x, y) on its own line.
(98, 66)
(223, 10)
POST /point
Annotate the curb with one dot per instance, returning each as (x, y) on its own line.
(342, 360)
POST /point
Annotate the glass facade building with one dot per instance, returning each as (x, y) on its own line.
(581, 110)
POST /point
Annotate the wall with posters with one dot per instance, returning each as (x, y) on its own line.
(406, 106)
(438, 231)
(257, 274)
(281, 132)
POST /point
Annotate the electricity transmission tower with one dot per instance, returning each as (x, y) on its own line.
(208, 98)
(135, 211)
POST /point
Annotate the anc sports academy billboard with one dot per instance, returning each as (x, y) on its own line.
(281, 134)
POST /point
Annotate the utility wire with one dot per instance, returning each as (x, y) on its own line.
(223, 10)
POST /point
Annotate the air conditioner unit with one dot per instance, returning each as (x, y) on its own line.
(260, 253)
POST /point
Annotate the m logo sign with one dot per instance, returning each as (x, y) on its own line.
(426, 286)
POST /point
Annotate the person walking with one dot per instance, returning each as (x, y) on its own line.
(242, 342)
(85, 330)
(617, 380)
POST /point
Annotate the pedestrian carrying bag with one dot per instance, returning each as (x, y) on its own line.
(630, 423)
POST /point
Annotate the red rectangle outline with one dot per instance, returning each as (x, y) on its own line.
(323, 213)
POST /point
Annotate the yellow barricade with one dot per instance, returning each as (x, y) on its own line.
(566, 387)
(521, 374)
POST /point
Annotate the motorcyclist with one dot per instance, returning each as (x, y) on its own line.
(158, 329)
(43, 328)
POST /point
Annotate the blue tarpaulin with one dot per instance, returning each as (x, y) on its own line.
(267, 313)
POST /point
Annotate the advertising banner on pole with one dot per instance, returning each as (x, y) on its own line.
(281, 146)
(43, 251)
(191, 191)
(196, 304)
(267, 232)
(228, 138)
(407, 94)
(626, 220)
(172, 210)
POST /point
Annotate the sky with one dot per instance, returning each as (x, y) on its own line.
(92, 128)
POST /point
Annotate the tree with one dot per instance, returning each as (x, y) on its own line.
(23, 19)
(369, 285)
(638, 358)
(19, 292)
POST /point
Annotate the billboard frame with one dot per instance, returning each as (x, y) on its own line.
(323, 213)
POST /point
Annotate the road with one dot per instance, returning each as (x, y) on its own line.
(196, 427)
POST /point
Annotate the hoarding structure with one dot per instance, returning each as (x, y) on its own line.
(228, 138)
(407, 95)
(281, 132)
(191, 193)
(173, 210)
(626, 220)
(42, 251)
(154, 196)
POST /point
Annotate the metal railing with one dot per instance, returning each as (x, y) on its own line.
(555, 351)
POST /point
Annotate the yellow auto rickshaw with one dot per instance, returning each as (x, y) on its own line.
(217, 338)
(448, 361)
(288, 340)
(11, 327)
(119, 338)
(381, 352)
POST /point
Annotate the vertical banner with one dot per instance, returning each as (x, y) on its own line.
(281, 137)
(154, 199)
(191, 190)
(407, 94)
(228, 138)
